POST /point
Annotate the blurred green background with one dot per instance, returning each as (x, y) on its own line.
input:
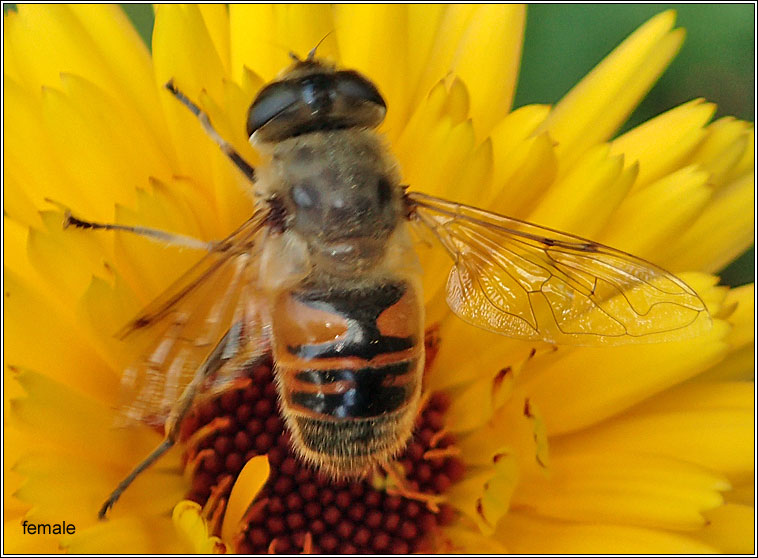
(563, 42)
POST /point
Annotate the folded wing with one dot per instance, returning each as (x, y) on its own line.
(216, 299)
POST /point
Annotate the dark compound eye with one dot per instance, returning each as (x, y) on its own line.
(305, 195)
(272, 101)
(352, 85)
(318, 101)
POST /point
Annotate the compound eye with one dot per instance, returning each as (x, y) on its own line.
(354, 86)
(271, 101)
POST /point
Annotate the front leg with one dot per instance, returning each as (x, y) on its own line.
(246, 168)
(156, 235)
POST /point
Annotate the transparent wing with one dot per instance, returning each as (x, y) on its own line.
(216, 299)
(531, 282)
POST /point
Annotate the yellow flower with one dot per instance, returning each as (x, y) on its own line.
(522, 447)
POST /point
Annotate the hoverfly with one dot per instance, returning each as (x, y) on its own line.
(321, 276)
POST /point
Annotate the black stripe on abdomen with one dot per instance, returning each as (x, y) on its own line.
(360, 308)
(360, 393)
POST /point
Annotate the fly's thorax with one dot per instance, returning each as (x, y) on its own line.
(286, 263)
(341, 193)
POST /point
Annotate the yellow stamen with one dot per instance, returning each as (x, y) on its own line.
(216, 504)
(308, 543)
(450, 451)
(397, 487)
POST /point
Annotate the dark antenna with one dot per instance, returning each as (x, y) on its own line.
(312, 53)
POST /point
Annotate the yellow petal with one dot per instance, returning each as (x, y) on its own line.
(434, 164)
(262, 36)
(473, 406)
(198, 65)
(523, 164)
(622, 488)
(700, 395)
(87, 41)
(517, 432)
(528, 174)
(731, 529)
(135, 152)
(484, 495)
(10, 67)
(368, 36)
(424, 23)
(448, 24)
(15, 237)
(651, 217)
(247, 486)
(746, 164)
(487, 353)
(530, 535)
(233, 190)
(487, 60)
(583, 200)
(743, 317)
(18, 542)
(428, 132)
(687, 423)
(131, 535)
(462, 540)
(184, 51)
(437, 151)
(216, 18)
(75, 432)
(595, 107)
(86, 156)
(121, 302)
(664, 143)
(77, 486)
(68, 356)
(52, 251)
(17, 204)
(47, 401)
(743, 492)
(149, 266)
(721, 233)
(32, 162)
(115, 41)
(722, 148)
(15, 444)
(740, 363)
(189, 522)
(606, 381)
(63, 51)
(475, 176)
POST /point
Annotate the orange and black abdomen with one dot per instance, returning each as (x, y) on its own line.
(348, 366)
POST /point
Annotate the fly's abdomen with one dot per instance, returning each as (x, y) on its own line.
(349, 363)
(354, 393)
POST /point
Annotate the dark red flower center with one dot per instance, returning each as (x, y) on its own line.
(393, 512)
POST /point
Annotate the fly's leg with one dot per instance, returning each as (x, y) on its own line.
(226, 353)
(162, 236)
(157, 235)
(247, 169)
(144, 464)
